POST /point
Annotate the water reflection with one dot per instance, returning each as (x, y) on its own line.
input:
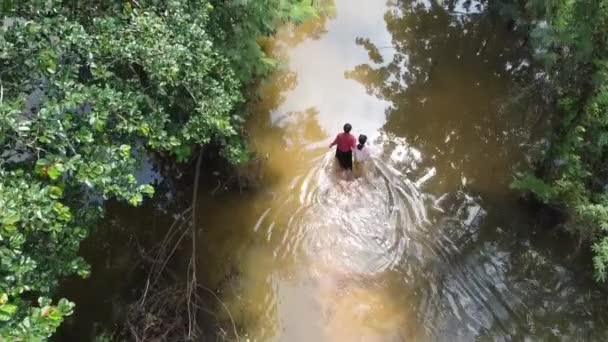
(448, 84)
(320, 64)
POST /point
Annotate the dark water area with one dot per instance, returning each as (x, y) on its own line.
(431, 245)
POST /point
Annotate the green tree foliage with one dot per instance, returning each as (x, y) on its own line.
(570, 38)
(86, 89)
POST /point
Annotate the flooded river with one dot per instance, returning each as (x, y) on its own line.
(431, 245)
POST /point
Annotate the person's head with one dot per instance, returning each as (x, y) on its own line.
(347, 128)
(362, 141)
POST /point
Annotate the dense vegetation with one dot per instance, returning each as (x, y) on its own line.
(571, 39)
(87, 88)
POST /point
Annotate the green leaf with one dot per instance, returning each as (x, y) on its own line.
(3, 298)
(7, 311)
(24, 126)
(136, 200)
(48, 61)
(148, 190)
(125, 151)
(55, 171)
(65, 307)
(55, 315)
(10, 219)
(9, 228)
(40, 167)
(55, 192)
(182, 152)
(44, 301)
(301, 12)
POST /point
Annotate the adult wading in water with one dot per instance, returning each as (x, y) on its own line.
(345, 142)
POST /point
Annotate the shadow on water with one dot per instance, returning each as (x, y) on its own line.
(430, 245)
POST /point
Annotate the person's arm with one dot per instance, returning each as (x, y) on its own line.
(353, 143)
(335, 141)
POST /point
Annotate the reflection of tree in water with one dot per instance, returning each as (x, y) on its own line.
(292, 34)
(313, 28)
(271, 92)
(449, 69)
(294, 130)
(302, 127)
(291, 130)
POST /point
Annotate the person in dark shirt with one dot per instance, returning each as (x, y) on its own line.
(345, 143)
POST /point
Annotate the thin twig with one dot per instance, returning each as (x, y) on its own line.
(236, 334)
(193, 280)
(143, 298)
(154, 271)
(219, 184)
(169, 235)
(190, 294)
(159, 272)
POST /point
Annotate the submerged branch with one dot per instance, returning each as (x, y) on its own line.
(170, 310)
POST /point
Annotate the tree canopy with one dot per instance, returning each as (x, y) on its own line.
(570, 39)
(87, 88)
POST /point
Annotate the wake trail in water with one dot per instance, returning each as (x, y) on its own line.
(359, 232)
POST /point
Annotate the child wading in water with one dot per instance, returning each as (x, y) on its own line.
(344, 152)
(362, 155)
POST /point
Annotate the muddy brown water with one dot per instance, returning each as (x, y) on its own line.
(431, 245)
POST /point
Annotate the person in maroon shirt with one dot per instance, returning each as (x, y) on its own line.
(345, 142)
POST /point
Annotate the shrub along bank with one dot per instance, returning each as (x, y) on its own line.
(86, 89)
(571, 39)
